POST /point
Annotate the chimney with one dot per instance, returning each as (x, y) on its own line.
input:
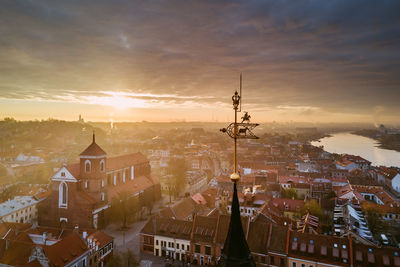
(76, 228)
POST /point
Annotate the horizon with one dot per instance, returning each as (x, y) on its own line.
(180, 61)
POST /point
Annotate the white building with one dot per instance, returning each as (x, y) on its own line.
(21, 209)
(396, 183)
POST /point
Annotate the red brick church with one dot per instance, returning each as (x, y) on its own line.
(81, 192)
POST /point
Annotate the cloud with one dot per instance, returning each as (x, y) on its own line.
(339, 56)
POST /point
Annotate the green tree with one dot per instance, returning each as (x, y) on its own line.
(177, 169)
(374, 215)
(331, 194)
(313, 207)
(289, 193)
(123, 207)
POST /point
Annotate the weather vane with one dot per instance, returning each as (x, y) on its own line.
(241, 130)
(236, 252)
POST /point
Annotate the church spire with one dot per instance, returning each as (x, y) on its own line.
(236, 252)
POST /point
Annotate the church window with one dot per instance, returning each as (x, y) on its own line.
(87, 166)
(102, 165)
(63, 195)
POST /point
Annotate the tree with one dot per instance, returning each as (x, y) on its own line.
(374, 215)
(313, 207)
(289, 193)
(331, 194)
(177, 169)
(122, 207)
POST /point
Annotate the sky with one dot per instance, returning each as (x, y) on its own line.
(307, 61)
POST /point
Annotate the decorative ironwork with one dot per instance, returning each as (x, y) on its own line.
(241, 130)
(236, 252)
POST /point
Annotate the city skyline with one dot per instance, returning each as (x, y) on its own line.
(307, 61)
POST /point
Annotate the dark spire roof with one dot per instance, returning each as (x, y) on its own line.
(236, 252)
(93, 149)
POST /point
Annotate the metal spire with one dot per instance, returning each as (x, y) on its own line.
(236, 252)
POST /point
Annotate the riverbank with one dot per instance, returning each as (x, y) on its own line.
(366, 147)
(385, 141)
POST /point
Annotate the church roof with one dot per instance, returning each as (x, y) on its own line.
(236, 252)
(123, 161)
(93, 149)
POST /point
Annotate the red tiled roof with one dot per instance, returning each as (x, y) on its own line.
(101, 237)
(17, 253)
(287, 204)
(66, 250)
(131, 186)
(93, 150)
(124, 161)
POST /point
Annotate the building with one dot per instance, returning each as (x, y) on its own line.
(81, 192)
(21, 209)
(27, 245)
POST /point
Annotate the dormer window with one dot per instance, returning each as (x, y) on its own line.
(88, 166)
(62, 174)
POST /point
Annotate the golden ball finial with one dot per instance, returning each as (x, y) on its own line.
(235, 177)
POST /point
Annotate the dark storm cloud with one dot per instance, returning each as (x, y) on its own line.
(336, 55)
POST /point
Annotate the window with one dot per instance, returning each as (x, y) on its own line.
(102, 165)
(115, 179)
(303, 265)
(187, 248)
(156, 242)
(102, 196)
(62, 195)
(62, 174)
(282, 262)
(183, 247)
(87, 166)
(294, 264)
(132, 172)
(272, 260)
(102, 183)
(197, 248)
(86, 184)
(208, 250)
(84, 262)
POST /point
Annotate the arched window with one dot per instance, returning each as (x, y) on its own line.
(102, 165)
(63, 195)
(87, 166)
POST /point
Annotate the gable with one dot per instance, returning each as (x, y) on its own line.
(64, 175)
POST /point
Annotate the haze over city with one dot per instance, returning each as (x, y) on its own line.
(315, 61)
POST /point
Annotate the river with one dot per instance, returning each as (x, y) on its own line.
(347, 143)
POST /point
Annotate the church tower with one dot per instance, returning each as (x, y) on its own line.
(92, 175)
